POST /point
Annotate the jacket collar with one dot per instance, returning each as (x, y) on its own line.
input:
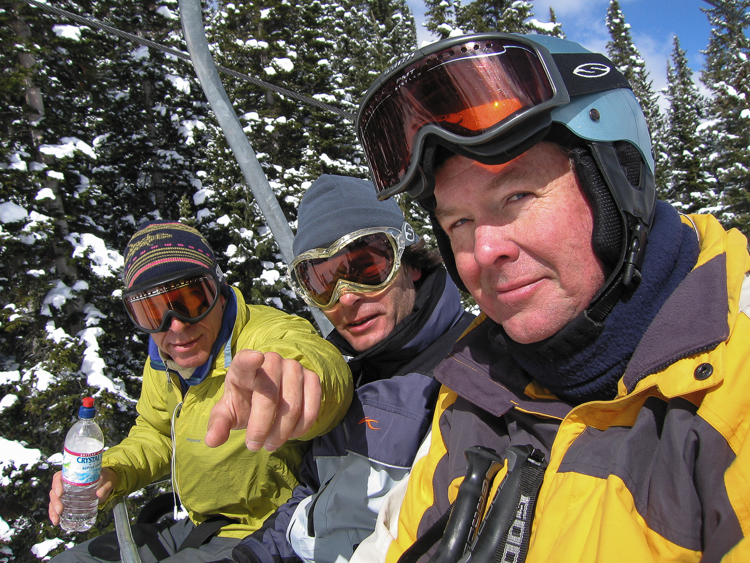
(437, 308)
(488, 377)
(699, 314)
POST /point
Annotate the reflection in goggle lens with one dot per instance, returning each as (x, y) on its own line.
(367, 261)
(464, 90)
(189, 299)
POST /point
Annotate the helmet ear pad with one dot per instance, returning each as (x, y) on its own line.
(608, 238)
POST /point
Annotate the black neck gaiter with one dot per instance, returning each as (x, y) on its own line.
(383, 360)
(582, 363)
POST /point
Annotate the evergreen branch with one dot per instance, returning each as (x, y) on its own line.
(184, 56)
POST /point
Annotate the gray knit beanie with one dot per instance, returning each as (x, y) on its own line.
(335, 206)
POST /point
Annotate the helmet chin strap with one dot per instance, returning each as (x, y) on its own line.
(614, 173)
(630, 181)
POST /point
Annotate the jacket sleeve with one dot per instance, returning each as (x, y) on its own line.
(145, 454)
(269, 544)
(292, 337)
(374, 548)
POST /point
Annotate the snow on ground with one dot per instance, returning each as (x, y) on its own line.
(42, 549)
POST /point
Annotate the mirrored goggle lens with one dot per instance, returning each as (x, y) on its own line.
(465, 90)
(367, 261)
(188, 298)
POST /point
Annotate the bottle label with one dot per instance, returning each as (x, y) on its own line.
(81, 469)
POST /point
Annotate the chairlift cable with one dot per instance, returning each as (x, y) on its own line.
(741, 17)
(186, 57)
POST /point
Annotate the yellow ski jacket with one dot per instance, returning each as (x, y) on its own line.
(229, 480)
(660, 473)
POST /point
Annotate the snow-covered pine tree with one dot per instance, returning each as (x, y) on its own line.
(726, 73)
(440, 17)
(152, 130)
(375, 35)
(554, 27)
(624, 54)
(447, 18)
(57, 274)
(101, 135)
(509, 16)
(688, 188)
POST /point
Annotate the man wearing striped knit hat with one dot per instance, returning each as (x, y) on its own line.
(202, 331)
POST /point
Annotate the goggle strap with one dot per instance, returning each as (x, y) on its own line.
(500, 152)
(511, 145)
(588, 73)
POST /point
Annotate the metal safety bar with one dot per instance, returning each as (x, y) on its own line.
(128, 549)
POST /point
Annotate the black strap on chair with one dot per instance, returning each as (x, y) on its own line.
(205, 531)
(107, 548)
(157, 509)
(505, 532)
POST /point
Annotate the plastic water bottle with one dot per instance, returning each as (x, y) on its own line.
(82, 468)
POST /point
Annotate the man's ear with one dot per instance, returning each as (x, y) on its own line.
(414, 273)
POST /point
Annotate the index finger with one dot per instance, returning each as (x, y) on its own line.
(233, 410)
(55, 504)
(265, 405)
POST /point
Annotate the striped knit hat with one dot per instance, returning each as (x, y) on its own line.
(160, 249)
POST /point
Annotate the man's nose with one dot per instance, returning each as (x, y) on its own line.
(350, 298)
(176, 325)
(493, 246)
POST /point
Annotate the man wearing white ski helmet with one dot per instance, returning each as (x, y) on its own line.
(607, 381)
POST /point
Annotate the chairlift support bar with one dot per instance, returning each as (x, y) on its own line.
(195, 38)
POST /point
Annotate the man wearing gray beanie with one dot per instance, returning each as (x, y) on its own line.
(396, 314)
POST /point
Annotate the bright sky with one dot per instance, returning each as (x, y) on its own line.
(653, 25)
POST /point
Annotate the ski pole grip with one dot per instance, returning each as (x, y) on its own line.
(482, 466)
(525, 472)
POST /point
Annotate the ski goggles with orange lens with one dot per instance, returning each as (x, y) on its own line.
(363, 261)
(482, 96)
(189, 298)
